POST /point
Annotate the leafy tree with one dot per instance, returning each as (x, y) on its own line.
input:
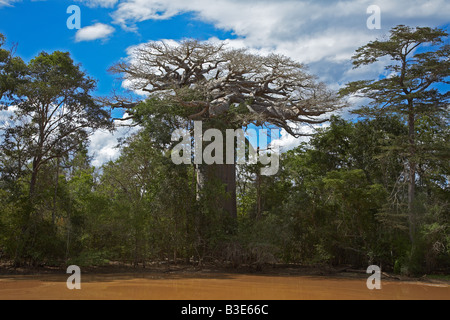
(338, 186)
(12, 70)
(420, 61)
(55, 109)
(53, 114)
(227, 89)
(12, 73)
(354, 202)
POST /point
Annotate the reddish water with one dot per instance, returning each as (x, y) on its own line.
(213, 287)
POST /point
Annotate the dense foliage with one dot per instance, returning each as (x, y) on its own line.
(341, 198)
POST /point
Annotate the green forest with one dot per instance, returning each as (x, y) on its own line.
(370, 190)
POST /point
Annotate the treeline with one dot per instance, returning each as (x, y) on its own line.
(339, 200)
(343, 198)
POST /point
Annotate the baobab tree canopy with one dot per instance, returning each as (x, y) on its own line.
(226, 89)
(213, 79)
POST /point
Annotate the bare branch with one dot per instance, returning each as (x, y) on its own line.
(275, 88)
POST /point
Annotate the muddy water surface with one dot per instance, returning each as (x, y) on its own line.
(212, 287)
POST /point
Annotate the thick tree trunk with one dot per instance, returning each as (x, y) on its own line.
(224, 174)
(257, 213)
(411, 175)
(227, 175)
(55, 196)
(33, 180)
(411, 197)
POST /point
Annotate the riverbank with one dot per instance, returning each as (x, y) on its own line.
(286, 270)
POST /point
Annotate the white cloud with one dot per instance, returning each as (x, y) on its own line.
(322, 34)
(287, 142)
(7, 3)
(94, 32)
(89, 3)
(7, 117)
(99, 3)
(103, 145)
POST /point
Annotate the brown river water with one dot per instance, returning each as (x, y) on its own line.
(213, 287)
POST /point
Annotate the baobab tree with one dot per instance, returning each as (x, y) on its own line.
(227, 89)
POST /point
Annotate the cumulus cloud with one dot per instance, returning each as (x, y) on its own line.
(287, 142)
(322, 34)
(283, 22)
(94, 32)
(103, 146)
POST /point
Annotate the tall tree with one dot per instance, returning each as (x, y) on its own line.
(56, 109)
(420, 62)
(11, 70)
(227, 89)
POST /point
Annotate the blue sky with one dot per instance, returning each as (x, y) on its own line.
(322, 34)
(37, 26)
